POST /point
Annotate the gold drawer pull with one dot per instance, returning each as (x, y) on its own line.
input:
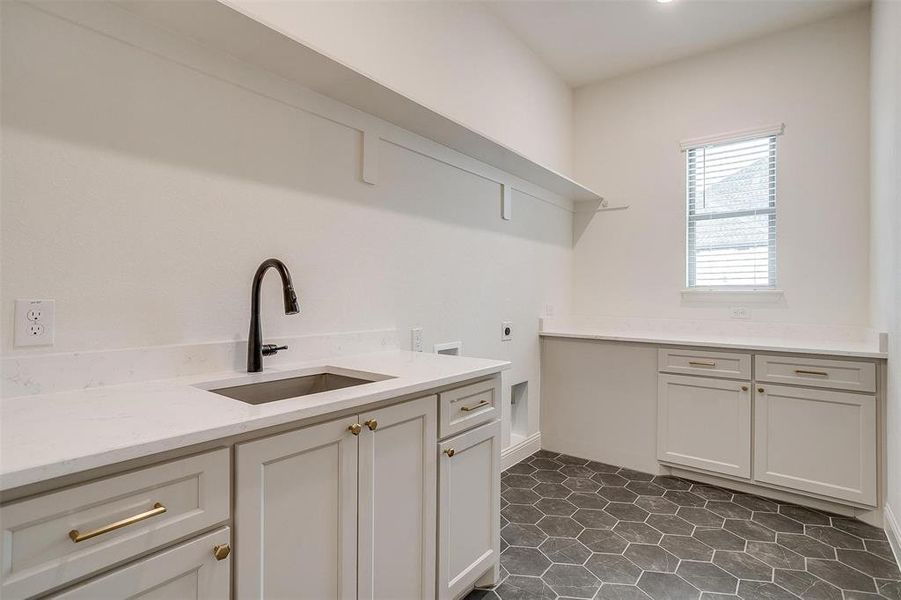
(76, 536)
(804, 372)
(479, 405)
(355, 429)
(372, 424)
(450, 452)
(700, 363)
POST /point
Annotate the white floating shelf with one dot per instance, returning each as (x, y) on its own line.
(224, 28)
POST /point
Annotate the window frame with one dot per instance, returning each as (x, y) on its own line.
(690, 274)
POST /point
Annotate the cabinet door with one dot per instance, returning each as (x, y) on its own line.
(186, 571)
(704, 423)
(816, 441)
(397, 501)
(469, 487)
(295, 514)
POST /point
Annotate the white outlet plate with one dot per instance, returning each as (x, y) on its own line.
(416, 339)
(34, 322)
(506, 331)
(740, 312)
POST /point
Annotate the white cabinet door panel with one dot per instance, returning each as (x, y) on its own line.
(704, 423)
(816, 441)
(295, 514)
(398, 472)
(468, 508)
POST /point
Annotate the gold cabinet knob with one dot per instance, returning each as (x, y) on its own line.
(372, 424)
(760, 390)
(355, 429)
(450, 452)
(221, 551)
(744, 388)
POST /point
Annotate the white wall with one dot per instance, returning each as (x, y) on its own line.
(454, 57)
(141, 193)
(627, 133)
(885, 248)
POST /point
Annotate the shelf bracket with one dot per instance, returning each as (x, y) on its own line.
(370, 159)
(506, 202)
(585, 210)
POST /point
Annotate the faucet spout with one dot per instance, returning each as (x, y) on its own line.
(255, 348)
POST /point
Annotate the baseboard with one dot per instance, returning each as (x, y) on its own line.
(893, 531)
(520, 451)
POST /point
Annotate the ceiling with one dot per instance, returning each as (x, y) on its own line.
(590, 40)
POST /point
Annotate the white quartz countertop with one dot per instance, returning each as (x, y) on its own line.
(47, 436)
(849, 348)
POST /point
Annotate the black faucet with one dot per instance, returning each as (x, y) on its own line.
(256, 350)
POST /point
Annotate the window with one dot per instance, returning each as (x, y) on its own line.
(731, 193)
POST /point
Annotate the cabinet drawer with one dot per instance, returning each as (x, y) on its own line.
(816, 441)
(189, 570)
(468, 406)
(817, 372)
(136, 512)
(702, 362)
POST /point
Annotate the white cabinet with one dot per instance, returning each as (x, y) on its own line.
(190, 570)
(469, 503)
(343, 509)
(704, 423)
(296, 514)
(817, 441)
(56, 538)
(398, 472)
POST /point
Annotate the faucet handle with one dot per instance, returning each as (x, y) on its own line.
(270, 349)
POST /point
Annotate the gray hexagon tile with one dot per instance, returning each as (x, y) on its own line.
(657, 505)
(667, 586)
(576, 528)
(573, 581)
(595, 519)
(743, 565)
(565, 550)
(687, 548)
(613, 568)
(834, 537)
(778, 522)
(556, 506)
(707, 577)
(638, 533)
(670, 524)
(651, 557)
(720, 539)
(524, 561)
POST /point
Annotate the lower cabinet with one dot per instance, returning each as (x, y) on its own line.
(816, 441)
(704, 423)
(343, 509)
(296, 514)
(469, 503)
(190, 570)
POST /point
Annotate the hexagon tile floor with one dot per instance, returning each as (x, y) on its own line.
(573, 528)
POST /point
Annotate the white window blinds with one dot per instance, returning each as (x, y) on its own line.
(731, 195)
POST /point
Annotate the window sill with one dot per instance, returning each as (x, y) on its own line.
(727, 295)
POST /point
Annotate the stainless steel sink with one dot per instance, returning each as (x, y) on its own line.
(293, 387)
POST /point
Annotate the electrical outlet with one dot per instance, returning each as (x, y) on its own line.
(549, 310)
(506, 331)
(740, 312)
(34, 322)
(416, 339)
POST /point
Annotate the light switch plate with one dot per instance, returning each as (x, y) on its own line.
(34, 322)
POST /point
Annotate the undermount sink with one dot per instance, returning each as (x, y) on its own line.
(293, 387)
